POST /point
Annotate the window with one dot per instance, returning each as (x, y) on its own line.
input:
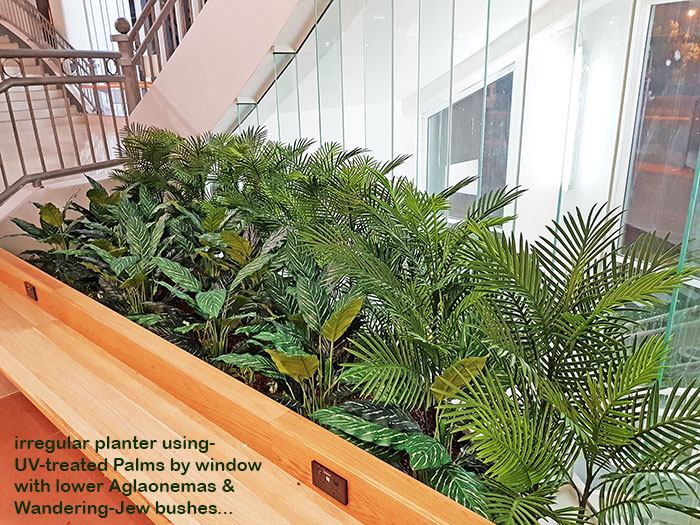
(667, 134)
(466, 137)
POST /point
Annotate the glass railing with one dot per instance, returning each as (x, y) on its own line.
(578, 101)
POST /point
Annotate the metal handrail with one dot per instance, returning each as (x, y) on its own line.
(148, 8)
(149, 44)
(153, 31)
(58, 81)
(27, 18)
(59, 53)
(61, 124)
(16, 186)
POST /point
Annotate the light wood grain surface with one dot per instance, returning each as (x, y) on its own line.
(92, 371)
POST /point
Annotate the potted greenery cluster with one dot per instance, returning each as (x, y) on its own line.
(477, 362)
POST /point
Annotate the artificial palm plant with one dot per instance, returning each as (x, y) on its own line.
(343, 291)
(568, 381)
(404, 254)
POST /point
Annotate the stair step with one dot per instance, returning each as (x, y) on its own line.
(14, 62)
(4, 39)
(38, 102)
(19, 95)
(39, 114)
(8, 45)
(13, 70)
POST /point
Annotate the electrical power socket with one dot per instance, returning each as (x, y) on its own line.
(30, 290)
(329, 482)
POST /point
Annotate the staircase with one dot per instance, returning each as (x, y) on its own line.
(29, 67)
(61, 113)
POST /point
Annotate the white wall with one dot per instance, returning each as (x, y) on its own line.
(88, 24)
(211, 65)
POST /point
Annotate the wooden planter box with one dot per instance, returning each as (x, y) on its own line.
(377, 492)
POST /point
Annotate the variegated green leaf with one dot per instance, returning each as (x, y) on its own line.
(237, 247)
(251, 268)
(29, 228)
(299, 261)
(137, 236)
(100, 197)
(51, 215)
(274, 240)
(134, 281)
(298, 367)
(425, 452)
(211, 302)
(313, 302)
(258, 363)
(146, 319)
(91, 267)
(123, 264)
(337, 418)
(283, 342)
(187, 328)
(386, 415)
(461, 486)
(104, 255)
(178, 274)
(177, 293)
(337, 324)
(147, 203)
(214, 218)
(187, 213)
(157, 231)
(388, 454)
(105, 244)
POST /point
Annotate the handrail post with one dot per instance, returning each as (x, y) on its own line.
(126, 62)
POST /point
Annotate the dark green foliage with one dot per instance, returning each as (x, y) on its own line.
(479, 363)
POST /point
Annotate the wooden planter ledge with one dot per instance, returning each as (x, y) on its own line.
(94, 374)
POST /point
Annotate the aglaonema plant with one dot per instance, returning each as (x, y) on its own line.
(218, 310)
(301, 341)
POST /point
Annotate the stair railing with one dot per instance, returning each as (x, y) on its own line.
(58, 125)
(149, 44)
(29, 21)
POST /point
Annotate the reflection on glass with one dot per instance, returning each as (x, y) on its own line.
(308, 88)
(330, 73)
(378, 18)
(506, 52)
(405, 82)
(267, 114)
(467, 135)
(666, 139)
(287, 101)
(550, 72)
(468, 79)
(247, 116)
(435, 88)
(351, 14)
(594, 109)
(660, 186)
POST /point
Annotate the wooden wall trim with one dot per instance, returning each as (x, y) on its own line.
(377, 491)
